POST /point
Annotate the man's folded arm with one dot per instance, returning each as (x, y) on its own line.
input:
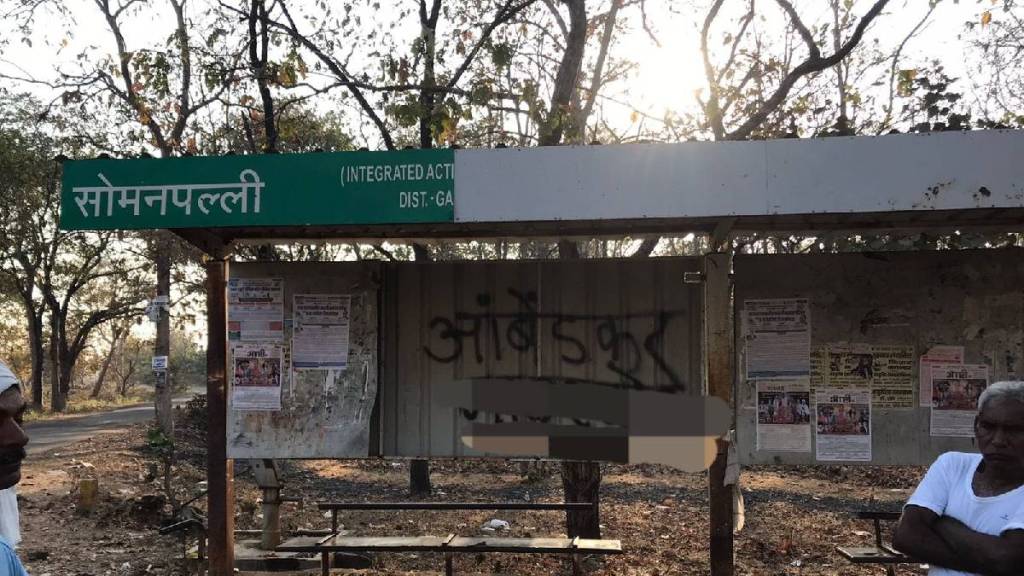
(1001, 555)
(917, 536)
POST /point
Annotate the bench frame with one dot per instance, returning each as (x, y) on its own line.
(452, 544)
(885, 554)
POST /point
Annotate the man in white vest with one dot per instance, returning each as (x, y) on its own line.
(12, 451)
(967, 514)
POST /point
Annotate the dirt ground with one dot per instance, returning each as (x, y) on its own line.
(794, 516)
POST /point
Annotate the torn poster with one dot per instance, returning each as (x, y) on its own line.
(777, 335)
(321, 330)
(256, 309)
(256, 376)
(784, 416)
(955, 392)
(936, 355)
(843, 431)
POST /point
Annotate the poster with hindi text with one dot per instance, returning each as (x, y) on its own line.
(955, 392)
(256, 372)
(842, 425)
(256, 309)
(935, 356)
(320, 331)
(777, 338)
(784, 416)
(887, 370)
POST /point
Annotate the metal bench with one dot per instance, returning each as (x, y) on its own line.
(880, 553)
(451, 545)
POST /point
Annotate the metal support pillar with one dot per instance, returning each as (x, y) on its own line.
(219, 470)
(718, 365)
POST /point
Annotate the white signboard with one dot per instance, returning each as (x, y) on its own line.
(159, 363)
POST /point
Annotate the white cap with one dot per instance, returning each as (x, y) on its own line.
(7, 378)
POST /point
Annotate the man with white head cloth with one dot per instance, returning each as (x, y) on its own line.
(967, 514)
(12, 452)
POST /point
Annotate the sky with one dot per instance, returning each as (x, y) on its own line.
(668, 74)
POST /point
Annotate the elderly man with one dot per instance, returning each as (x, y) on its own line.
(12, 452)
(967, 515)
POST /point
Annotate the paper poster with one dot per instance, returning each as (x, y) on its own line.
(256, 309)
(819, 368)
(778, 338)
(843, 429)
(893, 382)
(955, 392)
(936, 355)
(887, 370)
(320, 331)
(784, 416)
(256, 376)
(850, 366)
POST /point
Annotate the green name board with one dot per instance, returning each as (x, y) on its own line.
(326, 188)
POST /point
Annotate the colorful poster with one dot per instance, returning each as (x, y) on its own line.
(256, 376)
(955, 392)
(885, 369)
(850, 366)
(936, 355)
(784, 416)
(843, 429)
(320, 331)
(256, 309)
(777, 335)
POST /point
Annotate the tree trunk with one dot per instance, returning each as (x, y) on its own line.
(65, 377)
(98, 387)
(419, 478)
(581, 482)
(58, 403)
(164, 417)
(38, 356)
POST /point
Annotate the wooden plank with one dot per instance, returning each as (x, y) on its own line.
(535, 545)
(384, 544)
(220, 470)
(872, 555)
(513, 545)
(603, 546)
(879, 514)
(306, 543)
(454, 506)
(718, 357)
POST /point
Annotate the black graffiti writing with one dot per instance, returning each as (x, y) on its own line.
(486, 332)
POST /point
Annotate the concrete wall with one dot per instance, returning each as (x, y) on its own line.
(325, 414)
(968, 298)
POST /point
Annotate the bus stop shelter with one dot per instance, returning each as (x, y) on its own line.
(691, 324)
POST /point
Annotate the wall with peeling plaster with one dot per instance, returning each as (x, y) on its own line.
(973, 298)
(324, 414)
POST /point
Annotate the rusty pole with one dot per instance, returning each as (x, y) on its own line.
(718, 358)
(219, 470)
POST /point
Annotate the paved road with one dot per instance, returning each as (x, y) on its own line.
(45, 435)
